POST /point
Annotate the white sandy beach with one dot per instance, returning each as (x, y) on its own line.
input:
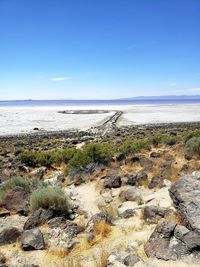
(24, 120)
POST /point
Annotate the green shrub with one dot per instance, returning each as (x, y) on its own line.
(92, 152)
(164, 139)
(133, 146)
(13, 182)
(99, 152)
(192, 147)
(34, 158)
(29, 158)
(80, 159)
(44, 159)
(50, 197)
(63, 155)
(189, 134)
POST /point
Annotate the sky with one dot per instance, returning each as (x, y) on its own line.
(98, 49)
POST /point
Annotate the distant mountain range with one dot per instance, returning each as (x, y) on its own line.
(165, 97)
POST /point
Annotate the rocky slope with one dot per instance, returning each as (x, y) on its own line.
(137, 209)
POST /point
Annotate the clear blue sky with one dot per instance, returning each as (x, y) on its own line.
(86, 49)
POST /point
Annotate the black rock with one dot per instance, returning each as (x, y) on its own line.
(32, 240)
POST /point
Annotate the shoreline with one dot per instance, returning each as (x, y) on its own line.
(89, 133)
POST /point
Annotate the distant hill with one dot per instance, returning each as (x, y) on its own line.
(165, 97)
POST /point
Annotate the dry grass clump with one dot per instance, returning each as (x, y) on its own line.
(102, 228)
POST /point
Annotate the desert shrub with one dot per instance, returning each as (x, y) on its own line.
(34, 158)
(189, 134)
(164, 139)
(133, 146)
(92, 152)
(44, 158)
(50, 197)
(192, 147)
(28, 157)
(80, 159)
(13, 182)
(63, 155)
(99, 152)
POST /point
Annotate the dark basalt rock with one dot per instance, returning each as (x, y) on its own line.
(152, 214)
(9, 236)
(32, 240)
(185, 194)
(131, 260)
(39, 217)
(155, 155)
(128, 213)
(16, 200)
(112, 182)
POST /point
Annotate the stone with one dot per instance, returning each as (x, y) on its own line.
(158, 244)
(4, 213)
(121, 157)
(155, 155)
(57, 222)
(131, 260)
(128, 213)
(132, 179)
(16, 200)
(97, 218)
(39, 217)
(2, 258)
(112, 182)
(152, 214)
(9, 236)
(156, 182)
(185, 194)
(141, 178)
(130, 194)
(32, 240)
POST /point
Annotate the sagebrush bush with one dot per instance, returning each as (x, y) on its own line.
(63, 155)
(99, 152)
(133, 146)
(29, 158)
(91, 153)
(164, 139)
(192, 147)
(13, 182)
(50, 197)
(80, 159)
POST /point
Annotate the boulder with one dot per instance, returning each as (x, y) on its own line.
(39, 217)
(159, 242)
(112, 182)
(171, 242)
(32, 240)
(131, 260)
(152, 214)
(9, 236)
(156, 182)
(128, 213)
(130, 194)
(16, 200)
(185, 194)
